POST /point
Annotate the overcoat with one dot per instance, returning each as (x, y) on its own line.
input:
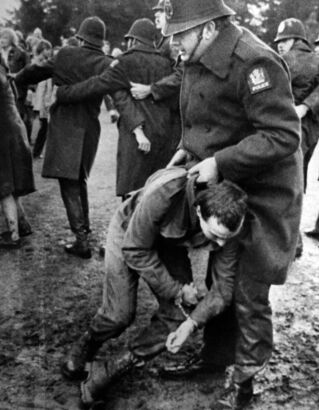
(236, 105)
(16, 175)
(74, 129)
(303, 64)
(142, 64)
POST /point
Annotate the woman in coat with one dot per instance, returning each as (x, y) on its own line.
(16, 175)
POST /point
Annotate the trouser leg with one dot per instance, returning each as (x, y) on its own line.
(255, 337)
(119, 290)
(41, 138)
(220, 332)
(85, 203)
(10, 211)
(151, 340)
(306, 159)
(71, 196)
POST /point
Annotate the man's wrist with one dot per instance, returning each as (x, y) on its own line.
(192, 323)
(178, 300)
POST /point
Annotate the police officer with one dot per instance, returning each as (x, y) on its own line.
(164, 45)
(74, 130)
(240, 123)
(303, 64)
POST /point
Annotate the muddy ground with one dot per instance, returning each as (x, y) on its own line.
(48, 297)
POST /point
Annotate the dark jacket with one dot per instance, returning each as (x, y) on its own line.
(74, 129)
(17, 60)
(164, 211)
(237, 106)
(303, 64)
(16, 175)
(141, 64)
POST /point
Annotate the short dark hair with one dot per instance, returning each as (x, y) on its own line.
(226, 201)
(41, 46)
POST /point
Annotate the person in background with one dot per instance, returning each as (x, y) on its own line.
(16, 58)
(164, 44)
(74, 130)
(42, 99)
(149, 237)
(303, 64)
(116, 52)
(107, 48)
(16, 176)
(72, 42)
(157, 136)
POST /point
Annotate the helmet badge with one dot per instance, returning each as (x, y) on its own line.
(168, 9)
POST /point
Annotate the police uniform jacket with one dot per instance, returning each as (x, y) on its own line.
(16, 176)
(74, 129)
(143, 64)
(303, 64)
(164, 209)
(236, 105)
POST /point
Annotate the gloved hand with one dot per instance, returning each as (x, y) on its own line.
(176, 339)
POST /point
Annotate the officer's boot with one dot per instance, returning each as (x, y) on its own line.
(81, 246)
(103, 373)
(236, 397)
(82, 351)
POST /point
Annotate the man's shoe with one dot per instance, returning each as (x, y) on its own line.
(82, 351)
(298, 252)
(190, 367)
(6, 241)
(236, 397)
(77, 249)
(24, 227)
(313, 234)
(103, 373)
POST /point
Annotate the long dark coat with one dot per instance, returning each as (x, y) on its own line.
(232, 109)
(141, 64)
(16, 175)
(303, 64)
(74, 129)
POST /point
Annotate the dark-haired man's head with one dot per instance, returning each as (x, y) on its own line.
(221, 209)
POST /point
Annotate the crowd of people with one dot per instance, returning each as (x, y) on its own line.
(216, 132)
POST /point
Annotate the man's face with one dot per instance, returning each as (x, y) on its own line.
(187, 42)
(5, 41)
(215, 231)
(43, 56)
(160, 19)
(285, 45)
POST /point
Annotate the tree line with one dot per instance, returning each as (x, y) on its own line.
(61, 17)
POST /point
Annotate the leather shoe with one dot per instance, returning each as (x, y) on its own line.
(313, 234)
(77, 250)
(82, 351)
(236, 397)
(7, 242)
(189, 367)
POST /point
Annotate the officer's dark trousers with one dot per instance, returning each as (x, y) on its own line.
(242, 334)
(75, 198)
(41, 138)
(120, 295)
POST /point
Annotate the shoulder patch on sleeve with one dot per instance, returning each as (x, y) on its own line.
(258, 80)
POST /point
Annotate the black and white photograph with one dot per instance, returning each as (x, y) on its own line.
(159, 205)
